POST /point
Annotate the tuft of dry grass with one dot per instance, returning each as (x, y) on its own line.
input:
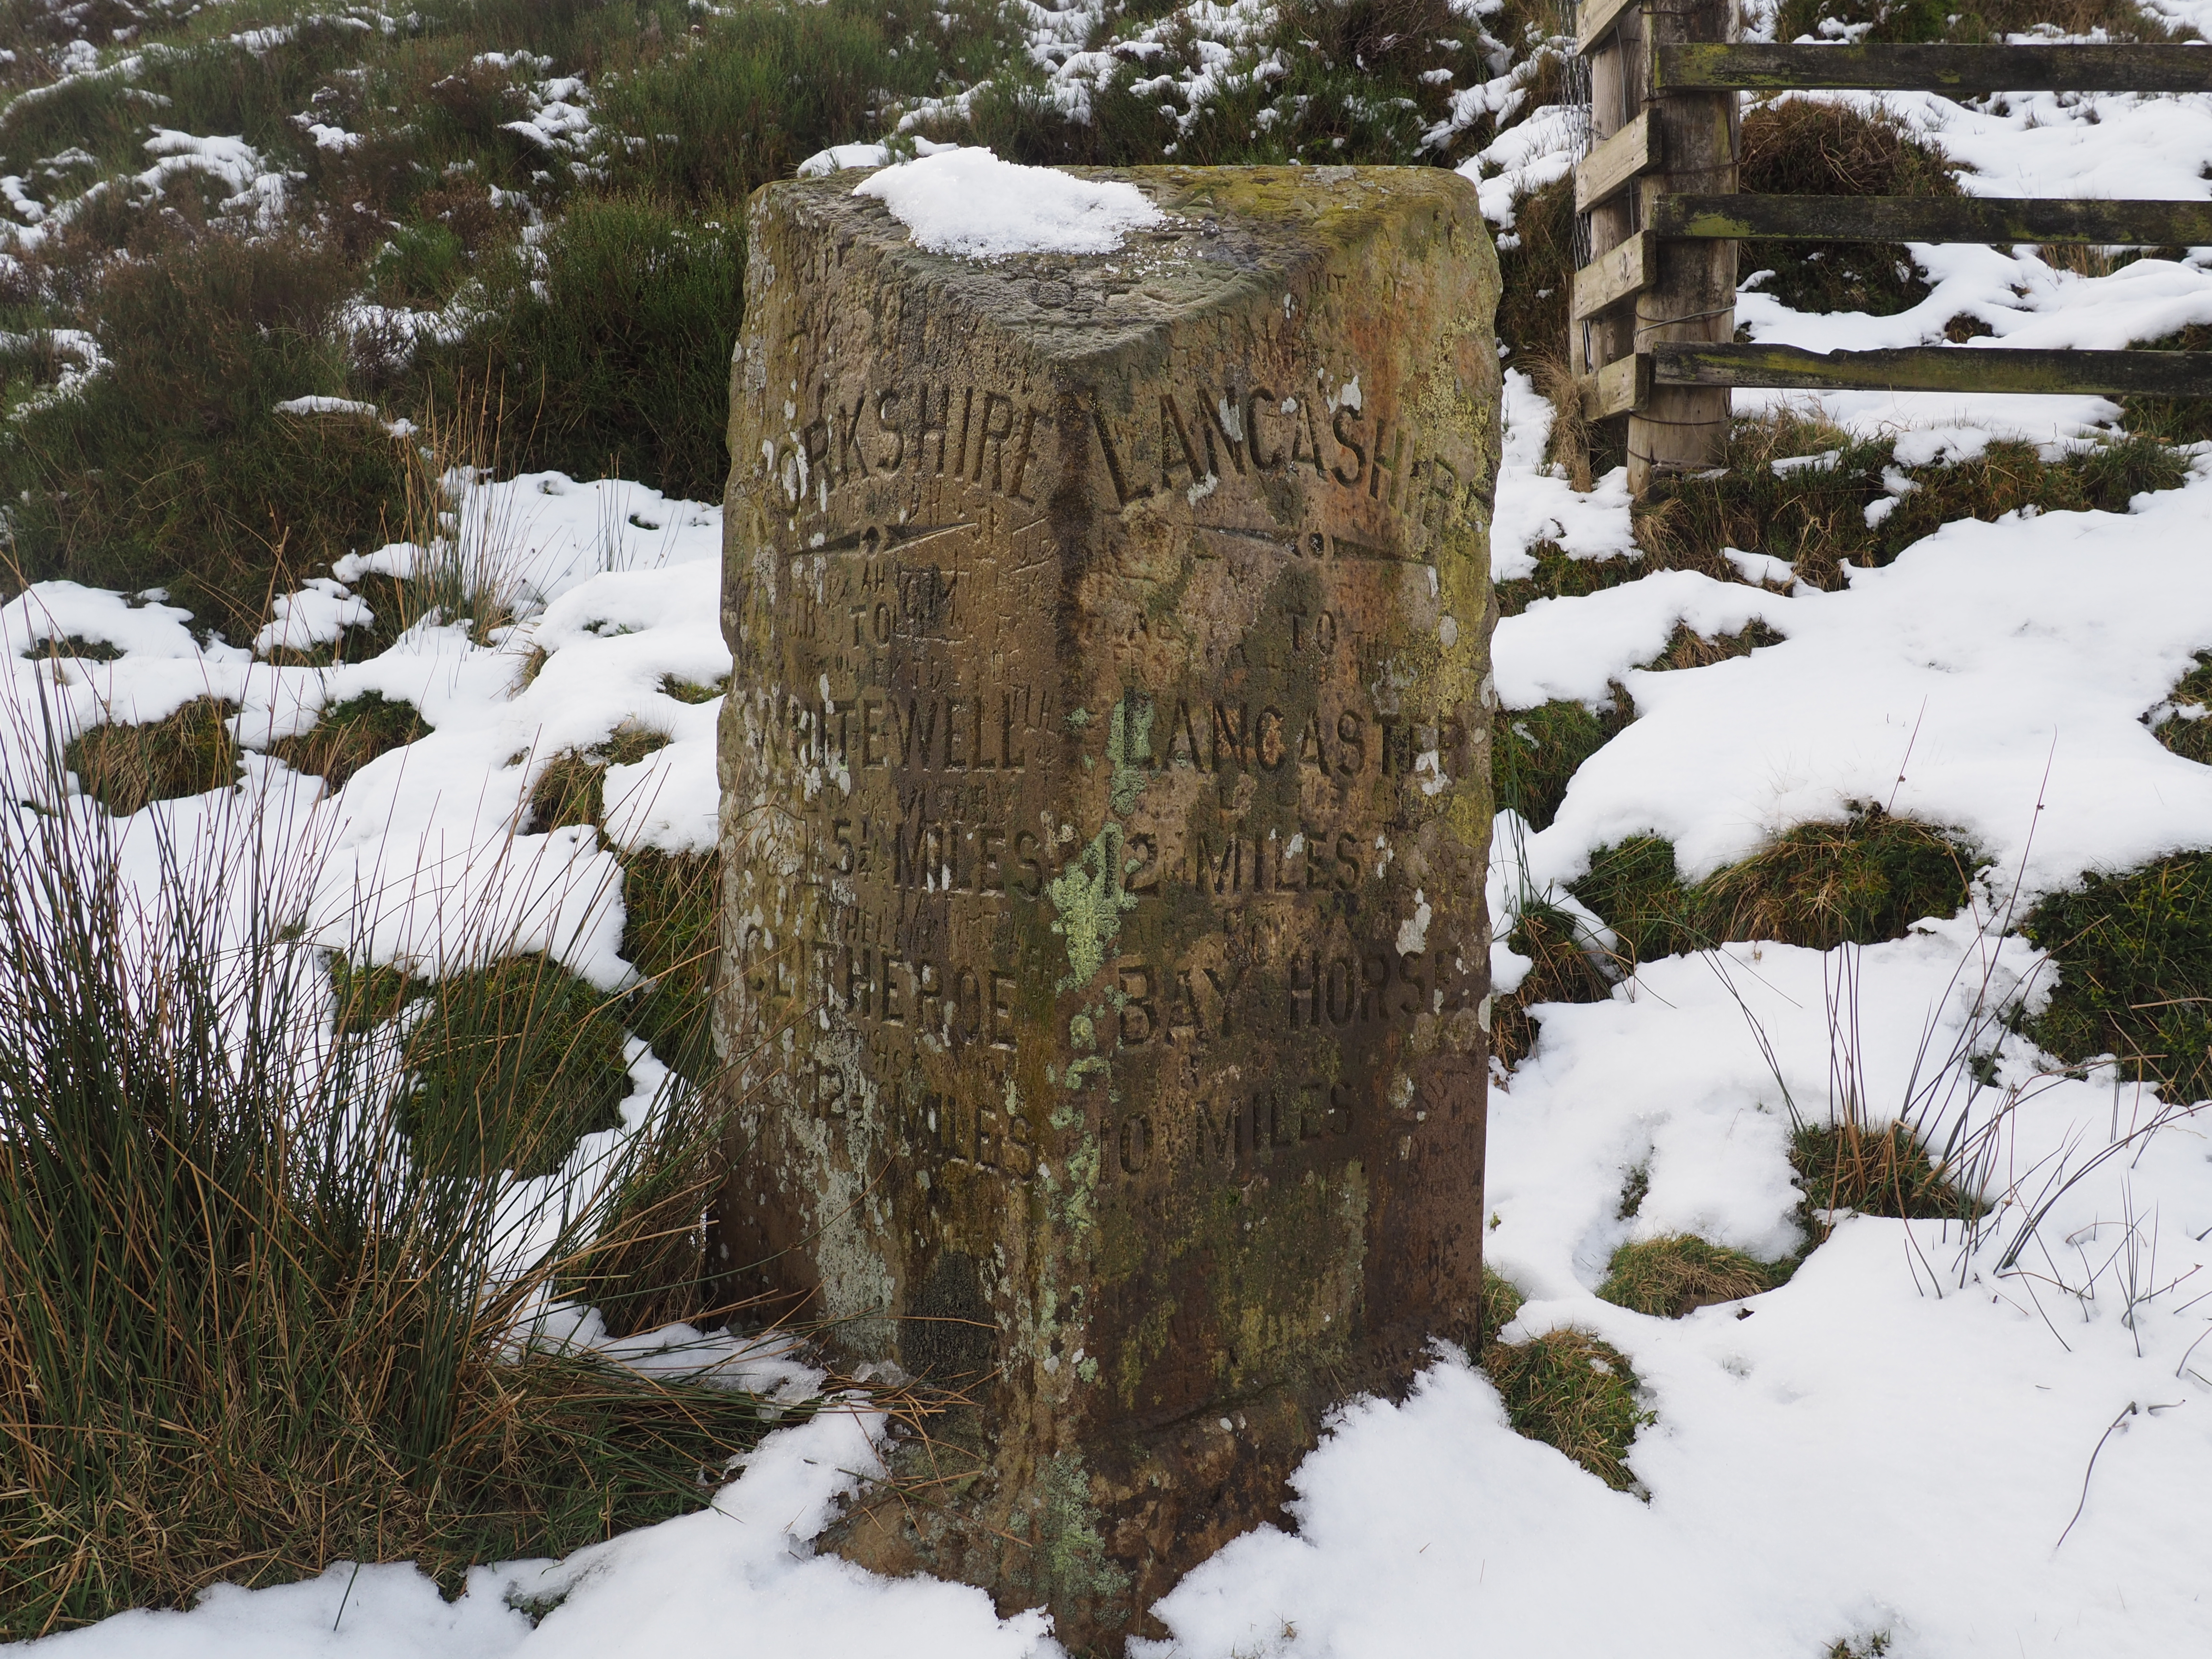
(1669, 1278)
(1573, 1391)
(1686, 649)
(127, 768)
(1805, 147)
(1565, 971)
(571, 788)
(1874, 1170)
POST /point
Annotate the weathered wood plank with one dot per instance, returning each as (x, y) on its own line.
(1615, 274)
(1605, 171)
(1933, 219)
(1593, 18)
(1936, 368)
(1758, 67)
(1618, 388)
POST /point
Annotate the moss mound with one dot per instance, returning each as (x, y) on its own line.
(1536, 752)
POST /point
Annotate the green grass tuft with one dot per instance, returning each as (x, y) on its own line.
(1818, 885)
(1671, 1277)
(346, 736)
(1572, 1391)
(1536, 752)
(511, 1065)
(2135, 973)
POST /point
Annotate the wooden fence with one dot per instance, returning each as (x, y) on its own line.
(1652, 315)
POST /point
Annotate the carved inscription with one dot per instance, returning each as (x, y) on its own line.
(990, 439)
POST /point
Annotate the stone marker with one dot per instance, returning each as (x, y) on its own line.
(1105, 814)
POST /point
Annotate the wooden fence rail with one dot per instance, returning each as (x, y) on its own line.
(1653, 313)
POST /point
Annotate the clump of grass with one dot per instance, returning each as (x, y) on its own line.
(1570, 1390)
(571, 788)
(127, 768)
(74, 647)
(1501, 1304)
(240, 1338)
(1874, 1170)
(2171, 420)
(1564, 971)
(1818, 885)
(691, 691)
(1929, 22)
(670, 927)
(2192, 740)
(1536, 752)
(509, 1066)
(619, 349)
(346, 736)
(1687, 648)
(2135, 973)
(1814, 515)
(1823, 885)
(171, 467)
(1669, 1278)
(1635, 886)
(1536, 274)
(1802, 146)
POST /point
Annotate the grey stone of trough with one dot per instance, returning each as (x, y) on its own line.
(1105, 814)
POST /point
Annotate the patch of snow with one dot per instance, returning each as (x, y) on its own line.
(967, 201)
(838, 158)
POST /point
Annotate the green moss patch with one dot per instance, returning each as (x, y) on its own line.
(346, 736)
(1669, 1278)
(1819, 885)
(125, 767)
(1575, 1392)
(2135, 973)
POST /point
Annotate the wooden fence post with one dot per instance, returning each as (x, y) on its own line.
(1610, 36)
(1691, 298)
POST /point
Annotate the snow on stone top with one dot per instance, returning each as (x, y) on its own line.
(967, 201)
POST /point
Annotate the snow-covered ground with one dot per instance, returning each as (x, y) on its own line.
(1996, 1444)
